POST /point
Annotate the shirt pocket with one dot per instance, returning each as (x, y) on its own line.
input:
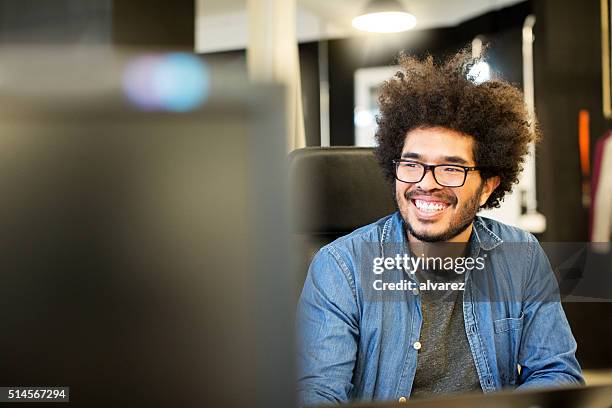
(508, 324)
(508, 333)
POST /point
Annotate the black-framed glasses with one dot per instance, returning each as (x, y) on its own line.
(446, 175)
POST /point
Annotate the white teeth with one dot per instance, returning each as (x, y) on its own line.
(428, 206)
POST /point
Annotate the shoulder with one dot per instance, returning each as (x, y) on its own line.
(334, 268)
(517, 247)
(351, 251)
(504, 232)
(371, 234)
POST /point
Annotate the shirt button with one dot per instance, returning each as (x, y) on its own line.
(415, 291)
(402, 399)
(417, 345)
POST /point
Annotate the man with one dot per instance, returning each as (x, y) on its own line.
(367, 327)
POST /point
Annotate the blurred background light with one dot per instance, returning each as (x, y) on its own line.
(479, 73)
(384, 16)
(176, 82)
(364, 118)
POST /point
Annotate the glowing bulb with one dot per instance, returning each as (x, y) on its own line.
(363, 118)
(385, 22)
(479, 73)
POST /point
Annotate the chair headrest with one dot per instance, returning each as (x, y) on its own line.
(337, 189)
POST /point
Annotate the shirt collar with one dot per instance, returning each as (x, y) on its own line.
(393, 232)
(483, 234)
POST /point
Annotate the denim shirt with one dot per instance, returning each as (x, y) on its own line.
(353, 345)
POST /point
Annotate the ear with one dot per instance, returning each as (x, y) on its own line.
(489, 187)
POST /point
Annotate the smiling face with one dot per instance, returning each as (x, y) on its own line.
(432, 212)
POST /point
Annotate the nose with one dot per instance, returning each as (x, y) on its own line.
(428, 182)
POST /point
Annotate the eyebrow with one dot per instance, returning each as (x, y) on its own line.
(445, 159)
(455, 159)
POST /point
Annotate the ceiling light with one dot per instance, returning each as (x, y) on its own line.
(479, 73)
(384, 16)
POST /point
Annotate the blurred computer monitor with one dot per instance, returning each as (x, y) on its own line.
(143, 250)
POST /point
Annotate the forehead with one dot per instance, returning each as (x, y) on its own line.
(433, 144)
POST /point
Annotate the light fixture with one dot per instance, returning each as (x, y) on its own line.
(384, 16)
(479, 73)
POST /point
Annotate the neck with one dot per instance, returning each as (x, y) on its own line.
(428, 248)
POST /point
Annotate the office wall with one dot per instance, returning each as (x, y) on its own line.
(502, 28)
(309, 72)
(154, 23)
(150, 23)
(57, 21)
(568, 78)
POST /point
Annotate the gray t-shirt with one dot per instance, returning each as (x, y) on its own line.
(444, 364)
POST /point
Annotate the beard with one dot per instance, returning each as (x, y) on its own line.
(460, 222)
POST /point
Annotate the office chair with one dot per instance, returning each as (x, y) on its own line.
(333, 191)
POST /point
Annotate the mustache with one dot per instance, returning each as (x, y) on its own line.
(442, 196)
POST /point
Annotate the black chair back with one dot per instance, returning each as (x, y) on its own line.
(334, 190)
